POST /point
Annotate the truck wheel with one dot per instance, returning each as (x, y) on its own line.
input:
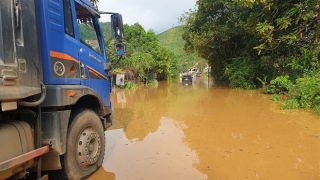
(85, 145)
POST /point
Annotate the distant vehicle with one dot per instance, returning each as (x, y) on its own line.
(186, 79)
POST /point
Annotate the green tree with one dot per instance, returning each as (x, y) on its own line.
(142, 63)
(286, 22)
(218, 32)
(272, 33)
(144, 54)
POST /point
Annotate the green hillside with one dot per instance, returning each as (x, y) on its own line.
(87, 33)
(172, 39)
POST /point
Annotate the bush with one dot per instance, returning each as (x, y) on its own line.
(241, 72)
(305, 93)
(290, 104)
(153, 82)
(130, 85)
(174, 73)
(308, 89)
(317, 109)
(275, 98)
(280, 85)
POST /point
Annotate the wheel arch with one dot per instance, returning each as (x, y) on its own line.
(84, 97)
(90, 102)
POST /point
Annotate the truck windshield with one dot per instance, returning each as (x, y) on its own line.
(88, 29)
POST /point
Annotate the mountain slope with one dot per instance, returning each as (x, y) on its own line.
(172, 39)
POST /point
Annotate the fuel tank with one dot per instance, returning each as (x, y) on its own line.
(16, 138)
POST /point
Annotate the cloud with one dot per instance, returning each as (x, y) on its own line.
(156, 15)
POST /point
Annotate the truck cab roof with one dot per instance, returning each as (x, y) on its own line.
(88, 4)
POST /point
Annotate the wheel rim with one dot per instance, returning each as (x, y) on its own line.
(89, 147)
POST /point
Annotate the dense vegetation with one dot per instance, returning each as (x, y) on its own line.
(253, 43)
(145, 58)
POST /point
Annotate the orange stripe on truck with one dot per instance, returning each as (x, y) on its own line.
(62, 56)
(96, 72)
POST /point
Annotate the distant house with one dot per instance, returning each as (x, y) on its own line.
(193, 71)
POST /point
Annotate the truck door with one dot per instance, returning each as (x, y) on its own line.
(59, 46)
(92, 53)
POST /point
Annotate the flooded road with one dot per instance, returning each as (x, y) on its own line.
(194, 132)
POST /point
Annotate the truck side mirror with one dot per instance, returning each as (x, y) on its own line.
(119, 49)
(117, 27)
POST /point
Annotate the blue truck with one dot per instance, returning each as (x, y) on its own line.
(54, 88)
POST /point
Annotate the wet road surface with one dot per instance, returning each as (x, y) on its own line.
(194, 132)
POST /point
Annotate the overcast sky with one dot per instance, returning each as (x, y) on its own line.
(158, 15)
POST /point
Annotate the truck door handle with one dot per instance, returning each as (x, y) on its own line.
(82, 71)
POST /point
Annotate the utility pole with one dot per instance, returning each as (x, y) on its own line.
(208, 76)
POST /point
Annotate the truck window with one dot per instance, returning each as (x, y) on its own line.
(68, 24)
(88, 29)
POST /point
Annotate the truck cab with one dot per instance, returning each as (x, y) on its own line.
(54, 87)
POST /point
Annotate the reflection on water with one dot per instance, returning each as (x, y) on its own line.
(101, 174)
(195, 132)
(161, 155)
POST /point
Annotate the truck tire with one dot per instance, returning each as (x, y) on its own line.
(85, 146)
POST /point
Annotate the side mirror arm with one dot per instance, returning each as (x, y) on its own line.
(108, 66)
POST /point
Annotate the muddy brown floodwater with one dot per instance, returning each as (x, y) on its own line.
(194, 132)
